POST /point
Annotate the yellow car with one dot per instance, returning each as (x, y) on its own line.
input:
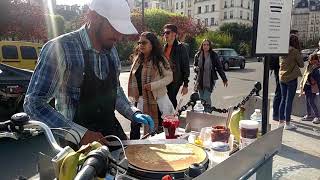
(19, 54)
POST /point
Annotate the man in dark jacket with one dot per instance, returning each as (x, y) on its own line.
(178, 58)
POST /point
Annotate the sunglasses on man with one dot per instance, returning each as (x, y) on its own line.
(166, 32)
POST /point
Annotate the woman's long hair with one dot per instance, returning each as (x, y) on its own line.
(294, 42)
(156, 55)
(210, 45)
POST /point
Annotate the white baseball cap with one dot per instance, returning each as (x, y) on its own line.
(117, 12)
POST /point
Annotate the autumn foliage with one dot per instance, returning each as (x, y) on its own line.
(23, 21)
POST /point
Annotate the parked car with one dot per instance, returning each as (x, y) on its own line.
(230, 58)
(306, 53)
(19, 54)
(260, 59)
(13, 86)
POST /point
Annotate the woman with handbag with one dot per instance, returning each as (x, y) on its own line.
(150, 74)
(206, 64)
(288, 74)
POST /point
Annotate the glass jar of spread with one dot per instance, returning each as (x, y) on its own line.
(248, 132)
(220, 133)
(170, 124)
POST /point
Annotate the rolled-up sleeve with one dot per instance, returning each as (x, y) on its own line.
(44, 83)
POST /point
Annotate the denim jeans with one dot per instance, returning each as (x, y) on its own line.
(277, 97)
(288, 91)
(311, 105)
(205, 94)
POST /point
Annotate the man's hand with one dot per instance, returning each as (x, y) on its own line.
(225, 83)
(184, 90)
(147, 87)
(91, 136)
(144, 119)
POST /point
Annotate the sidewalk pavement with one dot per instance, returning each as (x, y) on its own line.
(299, 158)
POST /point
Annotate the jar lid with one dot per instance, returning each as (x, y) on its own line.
(248, 124)
(220, 146)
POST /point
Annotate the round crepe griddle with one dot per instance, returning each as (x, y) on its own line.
(164, 157)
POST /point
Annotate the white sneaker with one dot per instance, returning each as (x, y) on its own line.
(290, 127)
(281, 124)
(316, 120)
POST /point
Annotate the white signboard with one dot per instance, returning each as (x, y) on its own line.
(273, 27)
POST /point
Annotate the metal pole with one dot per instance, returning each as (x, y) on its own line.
(142, 11)
(265, 97)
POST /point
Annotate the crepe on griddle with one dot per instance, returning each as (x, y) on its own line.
(164, 157)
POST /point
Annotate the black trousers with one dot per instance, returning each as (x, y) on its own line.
(173, 90)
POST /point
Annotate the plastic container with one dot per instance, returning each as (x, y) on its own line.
(219, 151)
(257, 116)
(199, 108)
(248, 132)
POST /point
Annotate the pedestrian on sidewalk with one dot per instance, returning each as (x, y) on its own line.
(288, 75)
(206, 65)
(178, 58)
(310, 88)
(274, 66)
(150, 74)
(80, 70)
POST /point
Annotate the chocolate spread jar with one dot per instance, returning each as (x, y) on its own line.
(248, 132)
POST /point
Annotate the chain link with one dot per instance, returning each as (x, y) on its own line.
(210, 109)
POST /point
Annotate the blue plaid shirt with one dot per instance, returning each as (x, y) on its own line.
(59, 75)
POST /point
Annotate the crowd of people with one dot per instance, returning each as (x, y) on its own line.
(287, 70)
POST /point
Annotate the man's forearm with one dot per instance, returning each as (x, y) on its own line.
(42, 111)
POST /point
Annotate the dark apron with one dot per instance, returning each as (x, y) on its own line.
(97, 101)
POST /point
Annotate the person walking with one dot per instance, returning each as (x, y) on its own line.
(310, 88)
(80, 70)
(150, 74)
(288, 75)
(206, 65)
(178, 58)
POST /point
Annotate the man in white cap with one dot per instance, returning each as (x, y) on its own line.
(80, 70)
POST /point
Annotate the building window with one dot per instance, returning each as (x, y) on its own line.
(249, 5)
(311, 21)
(232, 3)
(241, 14)
(225, 15)
(248, 16)
(189, 13)
(199, 21)
(231, 14)
(241, 3)
(181, 5)
(199, 10)
(157, 5)
(206, 22)
(311, 29)
(189, 3)
(212, 22)
(225, 4)
(181, 13)
(177, 5)
(207, 8)
(213, 7)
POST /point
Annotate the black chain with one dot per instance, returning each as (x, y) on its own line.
(210, 109)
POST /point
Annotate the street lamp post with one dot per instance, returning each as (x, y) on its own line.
(142, 10)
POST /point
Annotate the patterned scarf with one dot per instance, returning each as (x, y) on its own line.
(148, 74)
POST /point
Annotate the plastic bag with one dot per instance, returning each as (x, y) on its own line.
(165, 105)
